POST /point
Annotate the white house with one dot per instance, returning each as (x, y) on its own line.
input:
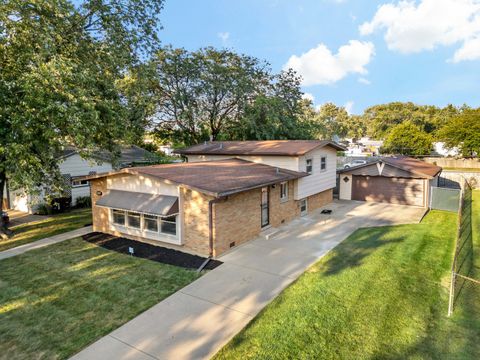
(72, 167)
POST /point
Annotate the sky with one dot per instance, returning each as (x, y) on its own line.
(355, 53)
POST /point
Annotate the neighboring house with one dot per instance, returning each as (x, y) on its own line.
(363, 147)
(397, 180)
(226, 194)
(72, 167)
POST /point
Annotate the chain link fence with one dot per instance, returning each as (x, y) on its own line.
(465, 280)
(442, 198)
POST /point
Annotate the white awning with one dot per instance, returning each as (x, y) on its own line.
(161, 205)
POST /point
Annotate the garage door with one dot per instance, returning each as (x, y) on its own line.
(390, 190)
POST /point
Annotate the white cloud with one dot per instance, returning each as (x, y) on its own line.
(363, 80)
(224, 36)
(308, 96)
(415, 26)
(349, 106)
(320, 66)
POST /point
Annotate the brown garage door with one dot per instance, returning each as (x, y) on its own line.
(390, 190)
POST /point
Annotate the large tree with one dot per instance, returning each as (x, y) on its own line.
(380, 119)
(463, 132)
(407, 139)
(200, 93)
(60, 67)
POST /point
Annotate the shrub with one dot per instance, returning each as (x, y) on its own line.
(43, 209)
(83, 202)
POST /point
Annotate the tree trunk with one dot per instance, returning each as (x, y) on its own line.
(4, 232)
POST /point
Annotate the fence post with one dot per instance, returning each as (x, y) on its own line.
(452, 293)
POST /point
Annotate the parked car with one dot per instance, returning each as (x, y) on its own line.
(354, 163)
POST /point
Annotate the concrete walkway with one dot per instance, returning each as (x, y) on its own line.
(195, 322)
(44, 242)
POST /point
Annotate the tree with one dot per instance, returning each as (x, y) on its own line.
(380, 119)
(200, 93)
(274, 114)
(60, 63)
(463, 131)
(331, 120)
(407, 139)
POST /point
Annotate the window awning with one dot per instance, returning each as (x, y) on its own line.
(161, 205)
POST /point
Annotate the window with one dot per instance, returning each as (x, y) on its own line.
(169, 225)
(284, 191)
(118, 217)
(150, 223)
(78, 183)
(308, 167)
(133, 219)
(323, 163)
(303, 206)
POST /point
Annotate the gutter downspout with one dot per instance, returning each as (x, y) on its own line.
(210, 232)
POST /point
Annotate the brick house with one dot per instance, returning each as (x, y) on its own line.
(226, 194)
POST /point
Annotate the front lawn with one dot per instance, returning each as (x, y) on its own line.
(382, 293)
(56, 300)
(53, 225)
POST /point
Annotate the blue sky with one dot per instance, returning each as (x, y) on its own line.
(425, 51)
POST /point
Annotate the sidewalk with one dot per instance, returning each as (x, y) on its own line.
(45, 242)
(196, 321)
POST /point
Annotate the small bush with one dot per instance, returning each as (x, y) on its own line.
(83, 202)
(43, 209)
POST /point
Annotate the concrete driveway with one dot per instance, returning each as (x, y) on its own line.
(195, 322)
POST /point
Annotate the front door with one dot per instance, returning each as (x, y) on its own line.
(264, 207)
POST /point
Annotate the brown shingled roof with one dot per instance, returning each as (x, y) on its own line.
(417, 167)
(412, 165)
(216, 178)
(265, 147)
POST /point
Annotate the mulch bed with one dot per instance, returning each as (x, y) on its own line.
(150, 252)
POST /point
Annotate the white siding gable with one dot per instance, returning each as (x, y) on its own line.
(319, 180)
(76, 166)
(142, 184)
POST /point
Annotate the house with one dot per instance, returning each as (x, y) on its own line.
(397, 180)
(73, 167)
(226, 194)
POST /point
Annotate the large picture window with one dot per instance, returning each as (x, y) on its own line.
(145, 222)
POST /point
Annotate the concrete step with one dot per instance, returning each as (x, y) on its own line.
(270, 233)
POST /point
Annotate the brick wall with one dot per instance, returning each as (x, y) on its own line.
(318, 200)
(282, 212)
(99, 214)
(195, 220)
(237, 219)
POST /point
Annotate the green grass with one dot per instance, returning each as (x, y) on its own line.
(53, 225)
(56, 300)
(380, 294)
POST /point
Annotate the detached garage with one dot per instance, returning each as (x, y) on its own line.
(395, 180)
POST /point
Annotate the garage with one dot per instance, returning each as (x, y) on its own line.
(394, 180)
(393, 190)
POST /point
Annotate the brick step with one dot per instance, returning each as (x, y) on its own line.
(269, 233)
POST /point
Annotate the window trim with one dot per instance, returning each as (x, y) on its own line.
(307, 166)
(142, 229)
(284, 198)
(304, 212)
(321, 163)
(87, 183)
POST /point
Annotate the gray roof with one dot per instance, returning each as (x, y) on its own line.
(163, 205)
(128, 155)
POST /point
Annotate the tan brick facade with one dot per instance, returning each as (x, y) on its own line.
(195, 220)
(236, 219)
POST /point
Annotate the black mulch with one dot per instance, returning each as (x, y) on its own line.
(148, 251)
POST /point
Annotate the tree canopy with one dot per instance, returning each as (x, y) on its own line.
(463, 132)
(60, 67)
(407, 138)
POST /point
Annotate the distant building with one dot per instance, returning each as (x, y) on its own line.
(442, 151)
